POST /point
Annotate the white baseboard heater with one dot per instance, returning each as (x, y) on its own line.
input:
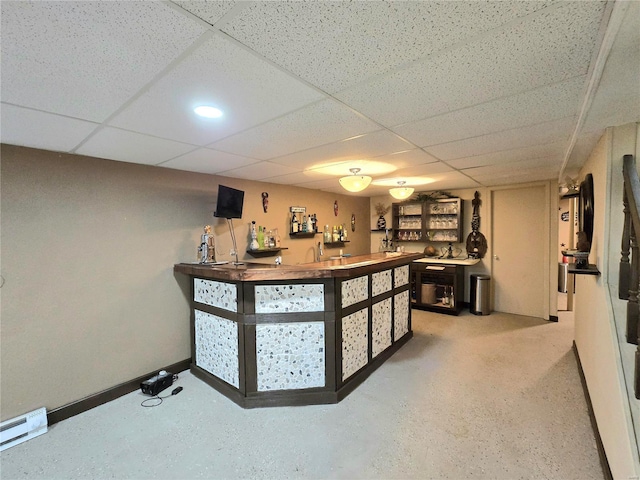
(22, 428)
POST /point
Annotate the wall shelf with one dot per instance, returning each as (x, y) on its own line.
(265, 252)
(588, 270)
(335, 244)
(303, 234)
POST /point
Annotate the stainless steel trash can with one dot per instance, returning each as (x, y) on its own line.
(480, 296)
(563, 276)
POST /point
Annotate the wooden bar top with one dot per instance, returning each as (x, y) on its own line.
(343, 267)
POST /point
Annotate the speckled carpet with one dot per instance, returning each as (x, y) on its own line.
(492, 397)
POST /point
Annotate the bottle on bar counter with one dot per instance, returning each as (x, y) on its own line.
(294, 223)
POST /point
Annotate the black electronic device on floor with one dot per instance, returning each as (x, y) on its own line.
(157, 383)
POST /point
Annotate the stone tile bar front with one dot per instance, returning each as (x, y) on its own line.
(267, 335)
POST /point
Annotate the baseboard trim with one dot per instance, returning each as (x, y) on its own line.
(74, 408)
(604, 463)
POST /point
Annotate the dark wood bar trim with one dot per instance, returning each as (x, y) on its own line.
(250, 366)
(330, 353)
(218, 312)
(221, 386)
(356, 307)
(361, 375)
(71, 409)
(284, 317)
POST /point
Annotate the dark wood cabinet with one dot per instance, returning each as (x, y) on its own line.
(408, 221)
(437, 220)
(437, 287)
(443, 220)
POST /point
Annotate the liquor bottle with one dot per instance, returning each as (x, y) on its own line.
(260, 238)
(327, 234)
(309, 224)
(344, 232)
(294, 223)
(336, 237)
(304, 224)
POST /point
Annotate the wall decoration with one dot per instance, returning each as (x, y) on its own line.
(585, 210)
(353, 222)
(564, 216)
(382, 210)
(335, 208)
(265, 201)
(476, 242)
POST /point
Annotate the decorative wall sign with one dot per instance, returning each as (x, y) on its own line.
(353, 222)
(564, 216)
(476, 242)
(265, 201)
(335, 208)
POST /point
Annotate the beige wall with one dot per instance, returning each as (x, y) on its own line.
(595, 330)
(90, 299)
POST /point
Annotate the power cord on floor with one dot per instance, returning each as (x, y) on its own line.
(175, 391)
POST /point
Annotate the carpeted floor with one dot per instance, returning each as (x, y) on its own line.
(469, 397)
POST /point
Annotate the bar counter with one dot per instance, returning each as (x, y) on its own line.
(275, 335)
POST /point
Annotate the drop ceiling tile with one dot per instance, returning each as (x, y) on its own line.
(555, 45)
(247, 89)
(556, 149)
(336, 44)
(301, 178)
(535, 106)
(261, 171)
(549, 132)
(368, 146)
(621, 74)
(205, 160)
(115, 144)
(408, 158)
(85, 59)
(208, 10)
(514, 178)
(323, 122)
(426, 170)
(30, 128)
(447, 181)
(544, 163)
(582, 149)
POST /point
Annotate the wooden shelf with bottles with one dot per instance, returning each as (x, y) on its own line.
(443, 220)
(408, 221)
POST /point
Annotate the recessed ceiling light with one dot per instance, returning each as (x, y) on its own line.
(208, 112)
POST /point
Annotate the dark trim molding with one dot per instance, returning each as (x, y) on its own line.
(74, 408)
(553, 318)
(604, 463)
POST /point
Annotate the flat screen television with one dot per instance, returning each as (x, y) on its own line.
(230, 202)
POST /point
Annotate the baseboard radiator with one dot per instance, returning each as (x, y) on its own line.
(22, 428)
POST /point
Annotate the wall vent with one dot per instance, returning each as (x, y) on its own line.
(22, 428)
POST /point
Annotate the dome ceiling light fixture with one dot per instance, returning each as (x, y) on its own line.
(401, 192)
(355, 183)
